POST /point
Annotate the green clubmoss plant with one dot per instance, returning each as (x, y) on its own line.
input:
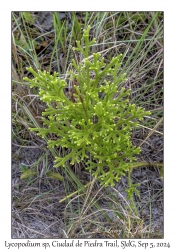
(95, 123)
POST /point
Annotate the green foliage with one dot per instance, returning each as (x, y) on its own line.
(28, 17)
(133, 189)
(96, 125)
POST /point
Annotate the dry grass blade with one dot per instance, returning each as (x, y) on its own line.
(153, 130)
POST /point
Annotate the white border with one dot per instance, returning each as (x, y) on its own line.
(5, 100)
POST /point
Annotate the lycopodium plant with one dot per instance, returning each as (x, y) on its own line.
(94, 124)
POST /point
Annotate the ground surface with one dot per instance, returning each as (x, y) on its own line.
(44, 215)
